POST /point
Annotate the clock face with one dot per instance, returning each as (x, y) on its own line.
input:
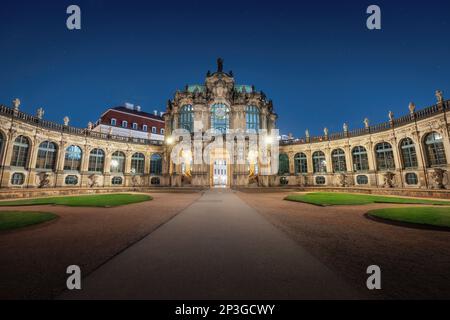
(221, 111)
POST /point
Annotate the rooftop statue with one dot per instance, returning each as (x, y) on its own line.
(219, 65)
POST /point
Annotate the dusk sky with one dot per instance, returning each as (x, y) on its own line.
(316, 60)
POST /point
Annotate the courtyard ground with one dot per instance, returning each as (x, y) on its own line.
(222, 244)
(414, 263)
(33, 260)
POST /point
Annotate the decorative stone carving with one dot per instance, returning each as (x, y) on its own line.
(66, 120)
(219, 65)
(345, 127)
(90, 126)
(307, 133)
(325, 132)
(438, 176)
(391, 116)
(93, 181)
(388, 179)
(16, 104)
(412, 108)
(439, 96)
(43, 180)
(366, 123)
(40, 113)
(136, 181)
(342, 180)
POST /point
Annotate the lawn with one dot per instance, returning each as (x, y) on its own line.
(432, 216)
(10, 220)
(333, 199)
(100, 200)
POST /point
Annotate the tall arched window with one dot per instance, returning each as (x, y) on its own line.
(384, 156)
(118, 162)
(72, 159)
(338, 160)
(20, 152)
(283, 165)
(434, 149)
(186, 118)
(360, 159)
(220, 117)
(137, 163)
(156, 164)
(252, 118)
(300, 163)
(408, 151)
(319, 162)
(96, 160)
(46, 157)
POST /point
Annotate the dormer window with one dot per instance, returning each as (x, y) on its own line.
(144, 128)
(113, 122)
(162, 131)
(153, 129)
(124, 124)
(135, 126)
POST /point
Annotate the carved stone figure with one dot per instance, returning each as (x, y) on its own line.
(388, 179)
(44, 180)
(366, 123)
(66, 120)
(345, 127)
(439, 96)
(307, 133)
(438, 177)
(391, 116)
(342, 179)
(40, 113)
(90, 125)
(325, 132)
(16, 104)
(93, 181)
(412, 107)
(136, 181)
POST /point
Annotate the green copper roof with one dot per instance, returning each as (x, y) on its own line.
(196, 87)
(241, 88)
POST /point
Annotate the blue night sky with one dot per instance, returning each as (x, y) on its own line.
(317, 60)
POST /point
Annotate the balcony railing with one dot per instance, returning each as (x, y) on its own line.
(45, 124)
(381, 127)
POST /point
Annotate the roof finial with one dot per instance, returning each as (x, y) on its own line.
(219, 65)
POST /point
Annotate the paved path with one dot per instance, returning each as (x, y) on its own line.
(217, 248)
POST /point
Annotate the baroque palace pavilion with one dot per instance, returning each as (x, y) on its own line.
(411, 151)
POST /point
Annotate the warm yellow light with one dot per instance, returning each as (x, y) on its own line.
(169, 140)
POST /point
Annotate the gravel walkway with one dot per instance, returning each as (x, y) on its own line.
(415, 263)
(33, 260)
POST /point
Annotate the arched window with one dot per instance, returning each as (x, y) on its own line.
(137, 163)
(46, 157)
(71, 180)
(300, 163)
(434, 149)
(96, 160)
(156, 164)
(319, 162)
(72, 159)
(17, 179)
(118, 162)
(220, 117)
(186, 118)
(283, 166)
(360, 160)
(20, 152)
(252, 118)
(408, 151)
(338, 160)
(384, 156)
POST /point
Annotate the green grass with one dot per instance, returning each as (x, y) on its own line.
(10, 220)
(100, 200)
(334, 199)
(431, 216)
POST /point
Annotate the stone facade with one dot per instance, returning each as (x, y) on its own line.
(409, 152)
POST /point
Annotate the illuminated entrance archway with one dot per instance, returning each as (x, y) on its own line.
(220, 173)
